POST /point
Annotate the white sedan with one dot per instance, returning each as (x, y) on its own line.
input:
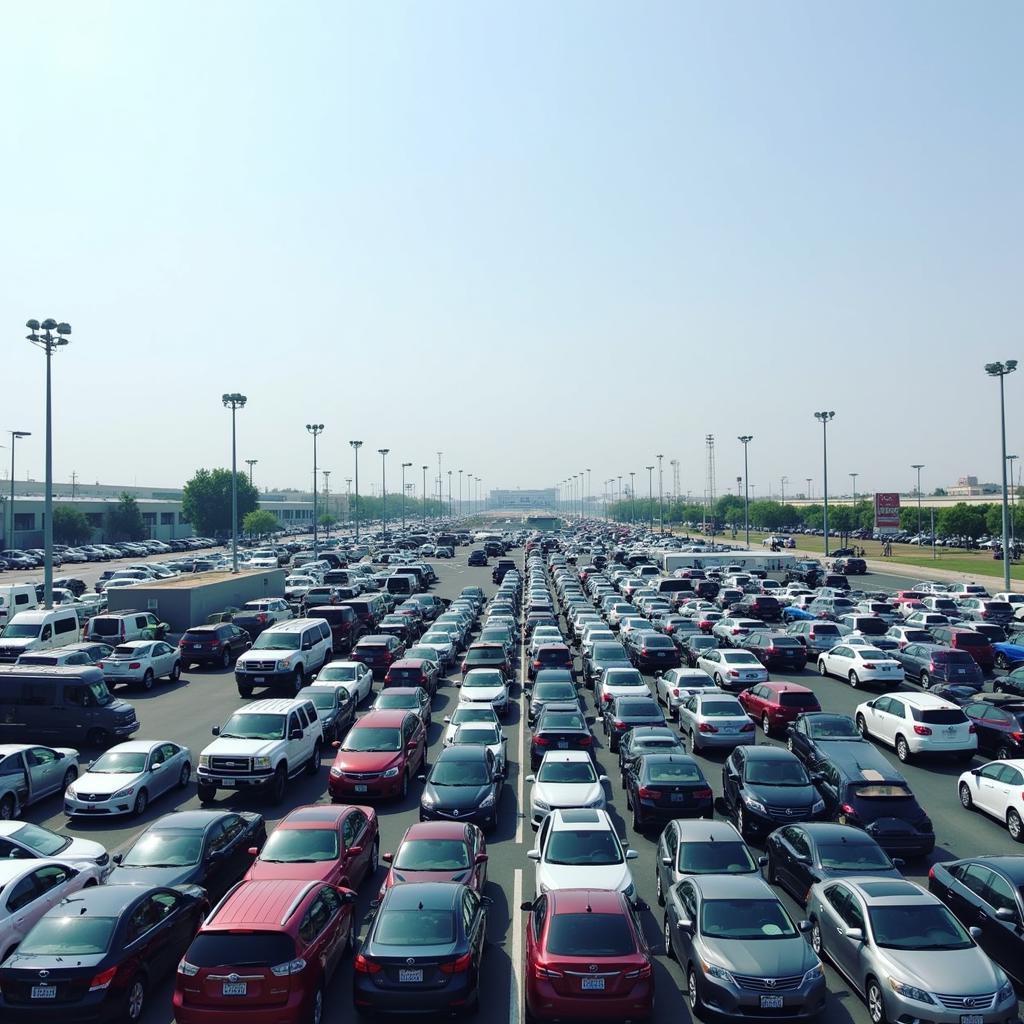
(356, 677)
(485, 686)
(566, 778)
(997, 788)
(141, 661)
(673, 687)
(732, 669)
(484, 734)
(860, 664)
(125, 778)
(21, 840)
(464, 713)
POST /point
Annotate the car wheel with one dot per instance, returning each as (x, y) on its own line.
(717, 680)
(147, 680)
(659, 889)
(135, 999)
(854, 681)
(925, 681)
(141, 801)
(7, 808)
(638, 822)
(314, 762)
(225, 658)
(741, 824)
(966, 800)
(206, 793)
(816, 945)
(277, 787)
(1003, 754)
(175, 673)
(693, 994)
(374, 859)
(1014, 826)
(997, 687)
(245, 691)
(667, 931)
(876, 1002)
(299, 680)
(185, 775)
(822, 671)
(69, 776)
(766, 726)
(903, 749)
(862, 726)
(1002, 661)
(98, 738)
(316, 1011)
(405, 786)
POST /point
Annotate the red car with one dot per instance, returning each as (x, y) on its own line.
(378, 653)
(339, 845)
(378, 756)
(439, 851)
(413, 672)
(586, 958)
(775, 705)
(265, 955)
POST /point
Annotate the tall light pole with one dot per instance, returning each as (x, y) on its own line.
(783, 482)
(425, 467)
(589, 499)
(356, 445)
(316, 429)
(348, 500)
(745, 440)
(918, 466)
(661, 495)
(460, 493)
(54, 336)
(632, 496)
(824, 418)
(440, 494)
(853, 477)
(234, 402)
(250, 463)
(650, 494)
(327, 498)
(1001, 370)
(383, 453)
(405, 466)
(15, 435)
(809, 488)
(449, 494)
(1013, 540)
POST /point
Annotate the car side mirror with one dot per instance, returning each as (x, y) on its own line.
(801, 858)
(667, 861)
(215, 730)
(853, 934)
(253, 851)
(1006, 914)
(631, 855)
(526, 906)
(336, 744)
(603, 779)
(481, 858)
(684, 924)
(117, 858)
(422, 778)
(295, 734)
(533, 854)
(762, 861)
(354, 851)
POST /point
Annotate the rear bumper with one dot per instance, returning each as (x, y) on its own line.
(417, 999)
(545, 1003)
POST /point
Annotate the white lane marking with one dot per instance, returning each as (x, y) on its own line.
(520, 780)
(515, 1009)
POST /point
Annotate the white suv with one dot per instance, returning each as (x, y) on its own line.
(918, 723)
(285, 655)
(263, 744)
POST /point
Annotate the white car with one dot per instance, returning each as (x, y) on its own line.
(125, 778)
(465, 713)
(30, 888)
(20, 840)
(677, 684)
(917, 723)
(620, 682)
(565, 778)
(593, 635)
(732, 669)
(997, 788)
(141, 661)
(860, 664)
(484, 734)
(440, 641)
(356, 677)
(545, 635)
(485, 685)
(580, 849)
(298, 585)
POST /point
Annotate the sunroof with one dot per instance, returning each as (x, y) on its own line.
(579, 816)
(890, 888)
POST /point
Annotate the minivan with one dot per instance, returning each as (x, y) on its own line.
(16, 597)
(38, 630)
(403, 585)
(69, 703)
(369, 609)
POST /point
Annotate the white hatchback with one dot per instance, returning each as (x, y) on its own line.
(485, 686)
(997, 788)
(141, 661)
(565, 778)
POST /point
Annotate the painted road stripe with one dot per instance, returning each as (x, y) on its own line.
(515, 1006)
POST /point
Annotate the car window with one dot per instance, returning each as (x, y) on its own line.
(838, 898)
(23, 894)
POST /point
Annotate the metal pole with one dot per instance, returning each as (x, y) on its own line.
(250, 463)
(1006, 515)
(449, 494)
(234, 496)
(650, 495)
(918, 466)
(632, 497)
(460, 493)
(383, 453)
(15, 435)
(745, 440)
(424, 497)
(356, 445)
(405, 466)
(327, 499)
(1013, 502)
(661, 496)
(440, 496)
(933, 532)
(825, 417)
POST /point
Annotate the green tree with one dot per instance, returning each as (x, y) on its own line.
(961, 520)
(812, 516)
(206, 500)
(124, 520)
(259, 521)
(70, 526)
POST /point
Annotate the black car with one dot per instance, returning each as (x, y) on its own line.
(986, 892)
(800, 855)
(1013, 683)
(693, 645)
(761, 606)
(811, 736)
(218, 645)
(764, 787)
(850, 566)
(959, 695)
(559, 727)
(649, 650)
(73, 583)
(605, 654)
(464, 784)
(663, 786)
(96, 954)
(552, 686)
(553, 655)
(934, 663)
(647, 739)
(335, 707)
(804, 572)
(999, 724)
(207, 848)
(477, 557)
(775, 650)
(621, 714)
(423, 951)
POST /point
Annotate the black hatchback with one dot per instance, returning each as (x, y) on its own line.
(660, 787)
(559, 727)
(623, 713)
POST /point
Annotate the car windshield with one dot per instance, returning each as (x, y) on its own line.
(561, 720)
(420, 927)
(482, 679)
(117, 762)
(478, 736)
(300, 845)
(613, 678)
(566, 771)
(20, 630)
(68, 936)
(832, 727)
(745, 919)
(246, 725)
(339, 673)
(432, 855)
(605, 652)
(468, 714)
(783, 772)
(853, 857)
(916, 927)
(590, 935)
(40, 840)
(277, 642)
(554, 691)
(459, 773)
(323, 697)
(583, 847)
(739, 658)
(369, 739)
(639, 709)
(164, 850)
(718, 858)
(721, 709)
(406, 701)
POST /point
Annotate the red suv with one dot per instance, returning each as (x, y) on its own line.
(586, 958)
(439, 851)
(339, 845)
(775, 705)
(345, 625)
(378, 756)
(378, 652)
(413, 672)
(265, 954)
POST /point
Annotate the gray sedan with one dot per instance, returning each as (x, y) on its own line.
(695, 846)
(716, 720)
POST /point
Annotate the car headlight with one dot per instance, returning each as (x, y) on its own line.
(541, 805)
(818, 806)
(261, 762)
(488, 801)
(204, 760)
(630, 891)
(428, 799)
(910, 991)
(1005, 991)
(336, 772)
(127, 791)
(814, 974)
(70, 791)
(284, 663)
(544, 888)
(714, 971)
(754, 805)
(391, 773)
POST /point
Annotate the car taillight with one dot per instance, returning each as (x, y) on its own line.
(541, 741)
(771, 650)
(102, 980)
(463, 668)
(387, 678)
(972, 728)
(848, 811)
(706, 727)
(643, 651)
(647, 794)
(181, 642)
(364, 966)
(702, 794)
(749, 727)
(618, 724)
(463, 963)
(922, 730)
(812, 634)
(984, 615)
(99, 664)
(931, 874)
(585, 741)
(675, 691)
(606, 697)
(734, 673)
(262, 617)
(735, 631)
(544, 972)
(135, 664)
(643, 971)
(1017, 737)
(536, 663)
(869, 664)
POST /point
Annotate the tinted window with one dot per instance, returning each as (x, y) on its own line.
(216, 949)
(940, 716)
(590, 935)
(796, 699)
(422, 927)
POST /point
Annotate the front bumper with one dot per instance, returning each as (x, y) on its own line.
(900, 1008)
(220, 780)
(104, 806)
(484, 817)
(340, 789)
(737, 1001)
(760, 823)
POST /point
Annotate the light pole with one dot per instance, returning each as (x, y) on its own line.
(824, 418)
(425, 496)
(449, 494)
(783, 482)
(460, 493)
(1001, 370)
(918, 466)
(650, 494)
(853, 477)
(327, 499)
(440, 493)
(15, 434)
(383, 453)
(405, 466)
(316, 429)
(661, 496)
(808, 488)
(356, 445)
(745, 440)
(250, 463)
(234, 402)
(54, 336)
(632, 497)
(348, 500)
(589, 500)
(1013, 540)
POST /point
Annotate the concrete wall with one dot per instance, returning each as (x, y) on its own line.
(185, 602)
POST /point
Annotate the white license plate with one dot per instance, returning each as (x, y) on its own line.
(563, 744)
(404, 975)
(360, 787)
(972, 1018)
(728, 727)
(259, 679)
(678, 798)
(771, 1002)
(234, 988)
(197, 647)
(592, 984)
(44, 991)
(227, 782)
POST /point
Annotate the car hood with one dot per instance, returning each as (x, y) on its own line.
(963, 971)
(82, 849)
(178, 875)
(103, 782)
(782, 796)
(228, 747)
(366, 760)
(571, 876)
(762, 958)
(455, 796)
(18, 643)
(481, 694)
(568, 794)
(397, 875)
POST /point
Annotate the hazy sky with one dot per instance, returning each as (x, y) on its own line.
(536, 236)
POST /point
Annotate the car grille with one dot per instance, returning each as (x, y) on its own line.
(361, 776)
(750, 981)
(11, 653)
(259, 666)
(982, 1002)
(231, 764)
(788, 812)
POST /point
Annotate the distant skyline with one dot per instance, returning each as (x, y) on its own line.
(534, 237)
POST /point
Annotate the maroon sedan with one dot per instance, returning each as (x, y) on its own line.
(378, 756)
(439, 851)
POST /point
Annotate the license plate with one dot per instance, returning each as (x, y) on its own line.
(197, 647)
(404, 975)
(360, 787)
(90, 807)
(972, 1018)
(678, 798)
(259, 679)
(592, 984)
(227, 782)
(728, 727)
(563, 744)
(950, 730)
(771, 1002)
(234, 988)
(44, 991)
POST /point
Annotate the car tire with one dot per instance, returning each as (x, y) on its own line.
(245, 691)
(1003, 754)
(225, 658)
(1015, 826)
(966, 800)
(277, 787)
(185, 775)
(667, 936)
(147, 679)
(135, 999)
(7, 809)
(822, 671)
(316, 1009)
(903, 750)
(789, 745)
(314, 762)
(141, 803)
(693, 995)
(69, 776)
(926, 681)
(717, 680)
(659, 890)
(98, 738)
(854, 681)
(638, 822)
(405, 786)
(816, 943)
(876, 1002)
(206, 793)
(766, 725)
(299, 681)
(862, 727)
(741, 824)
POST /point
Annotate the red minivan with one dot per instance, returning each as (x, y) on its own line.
(265, 955)
(378, 756)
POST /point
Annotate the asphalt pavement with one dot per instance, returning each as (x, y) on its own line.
(185, 712)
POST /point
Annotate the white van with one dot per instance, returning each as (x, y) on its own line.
(39, 630)
(14, 598)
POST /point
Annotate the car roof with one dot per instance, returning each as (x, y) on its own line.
(411, 663)
(890, 892)
(566, 756)
(763, 752)
(436, 830)
(732, 887)
(293, 625)
(265, 902)
(788, 688)
(424, 896)
(188, 820)
(586, 901)
(136, 746)
(102, 900)
(387, 718)
(924, 700)
(861, 762)
(594, 819)
(271, 706)
(318, 815)
(823, 831)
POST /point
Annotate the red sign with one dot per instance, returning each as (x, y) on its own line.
(887, 511)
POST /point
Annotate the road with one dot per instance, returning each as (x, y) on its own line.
(185, 712)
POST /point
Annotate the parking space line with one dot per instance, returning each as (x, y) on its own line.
(515, 1008)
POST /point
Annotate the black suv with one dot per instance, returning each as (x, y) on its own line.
(850, 566)
(999, 723)
(212, 645)
(761, 606)
(804, 572)
(650, 650)
(775, 650)
(477, 557)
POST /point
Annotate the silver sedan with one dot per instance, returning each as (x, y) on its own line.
(714, 720)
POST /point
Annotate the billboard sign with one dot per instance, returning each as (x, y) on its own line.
(887, 512)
